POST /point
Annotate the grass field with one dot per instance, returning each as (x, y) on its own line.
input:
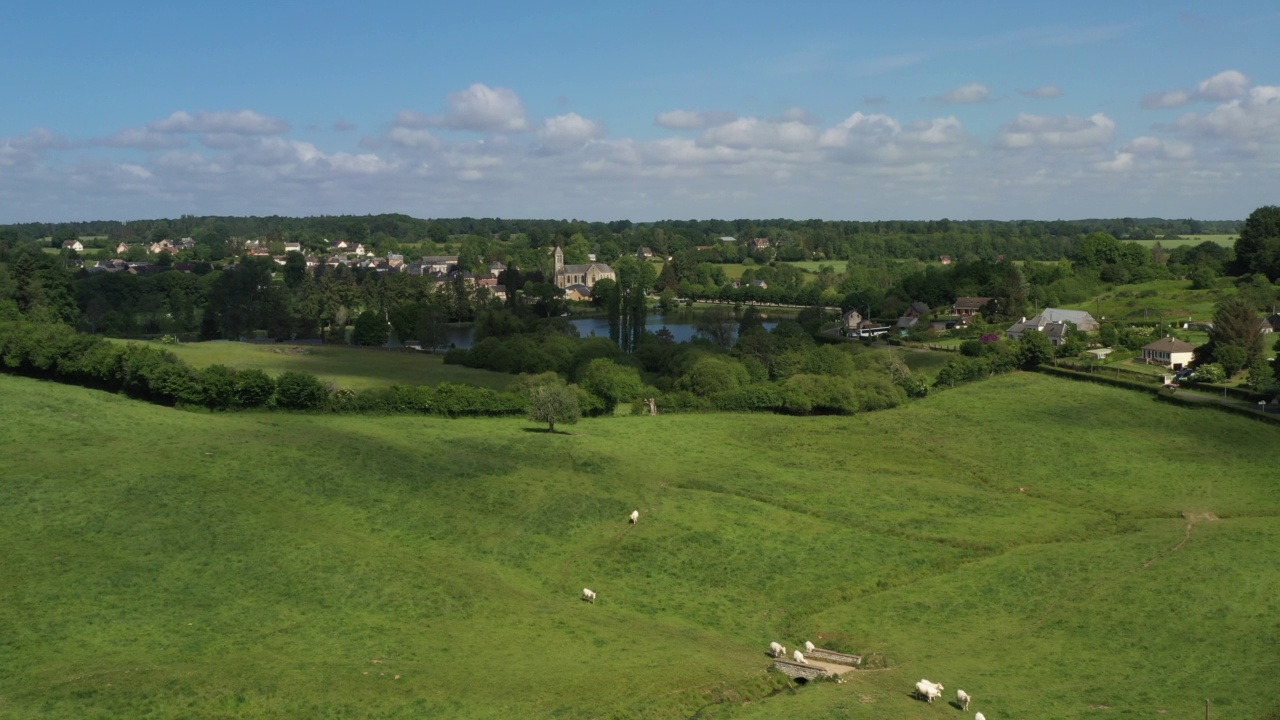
(1170, 300)
(1224, 240)
(1021, 538)
(347, 367)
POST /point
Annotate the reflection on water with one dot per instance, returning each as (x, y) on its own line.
(681, 326)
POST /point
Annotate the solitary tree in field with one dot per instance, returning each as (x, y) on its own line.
(553, 403)
(1235, 322)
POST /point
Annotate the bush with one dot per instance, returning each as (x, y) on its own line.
(1210, 373)
(750, 398)
(254, 388)
(300, 391)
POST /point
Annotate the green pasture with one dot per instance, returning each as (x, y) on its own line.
(1022, 538)
(1167, 300)
(347, 367)
(1223, 240)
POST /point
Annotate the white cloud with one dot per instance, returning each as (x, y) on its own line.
(1254, 118)
(565, 133)
(754, 133)
(1161, 100)
(1225, 85)
(965, 95)
(143, 139)
(410, 119)
(879, 138)
(30, 147)
(408, 137)
(481, 108)
(1056, 131)
(240, 122)
(1043, 92)
(691, 120)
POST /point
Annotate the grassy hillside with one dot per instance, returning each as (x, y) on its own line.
(1171, 300)
(1020, 538)
(1223, 240)
(346, 367)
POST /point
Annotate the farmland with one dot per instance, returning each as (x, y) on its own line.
(1051, 547)
(1167, 300)
(345, 367)
(1223, 240)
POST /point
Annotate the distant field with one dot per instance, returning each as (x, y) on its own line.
(1022, 538)
(347, 367)
(1170, 300)
(1224, 240)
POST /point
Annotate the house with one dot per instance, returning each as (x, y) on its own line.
(1274, 321)
(577, 292)
(588, 274)
(439, 264)
(727, 239)
(760, 284)
(944, 259)
(758, 243)
(644, 253)
(1169, 352)
(339, 245)
(906, 322)
(849, 322)
(496, 268)
(292, 247)
(158, 247)
(1265, 326)
(185, 243)
(1053, 322)
(122, 248)
(499, 292)
(72, 245)
(967, 307)
(916, 309)
(1099, 353)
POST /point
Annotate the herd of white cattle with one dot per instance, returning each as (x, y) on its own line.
(925, 690)
(589, 595)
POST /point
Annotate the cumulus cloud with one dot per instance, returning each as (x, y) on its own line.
(878, 138)
(965, 95)
(1042, 92)
(755, 133)
(692, 120)
(1147, 153)
(1253, 118)
(565, 133)
(1225, 85)
(1056, 131)
(481, 108)
(411, 137)
(1162, 100)
(240, 122)
(143, 139)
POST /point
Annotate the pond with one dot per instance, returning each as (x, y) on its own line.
(681, 326)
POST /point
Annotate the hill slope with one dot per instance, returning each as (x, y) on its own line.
(1014, 538)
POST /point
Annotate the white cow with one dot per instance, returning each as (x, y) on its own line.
(979, 716)
(808, 646)
(799, 657)
(589, 595)
(930, 691)
(962, 699)
(777, 650)
(635, 515)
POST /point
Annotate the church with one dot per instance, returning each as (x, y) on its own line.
(587, 275)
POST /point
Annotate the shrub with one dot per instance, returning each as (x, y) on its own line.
(219, 383)
(254, 388)
(300, 391)
(1210, 373)
(759, 397)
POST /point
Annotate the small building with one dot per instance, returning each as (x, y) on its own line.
(1170, 352)
(1099, 353)
(1274, 321)
(577, 292)
(849, 322)
(644, 253)
(758, 243)
(916, 310)
(73, 245)
(967, 307)
(292, 247)
(496, 268)
(944, 259)
(122, 248)
(727, 239)
(442, 264)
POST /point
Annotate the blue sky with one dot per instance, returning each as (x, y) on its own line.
(644, 110)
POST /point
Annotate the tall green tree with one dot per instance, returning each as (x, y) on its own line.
(1258, 247)
(1235, 322)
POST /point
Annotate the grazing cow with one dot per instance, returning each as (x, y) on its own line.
(777, 650)
(635, 515)
(588, 595)
(808, 646)
(798, 657)
(979, 716)
(962, 699)
(929, 691)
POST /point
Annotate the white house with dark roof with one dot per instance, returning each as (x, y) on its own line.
(1170, 352)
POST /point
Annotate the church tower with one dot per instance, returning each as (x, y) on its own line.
(559, 272)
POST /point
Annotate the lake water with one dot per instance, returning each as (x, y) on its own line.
(680, 326)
